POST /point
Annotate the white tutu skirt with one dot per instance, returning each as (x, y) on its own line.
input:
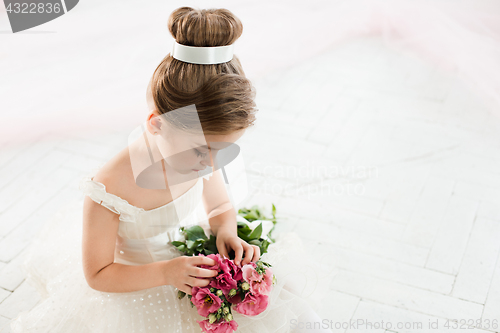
(53, 265)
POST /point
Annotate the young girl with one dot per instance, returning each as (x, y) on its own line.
(124, 275)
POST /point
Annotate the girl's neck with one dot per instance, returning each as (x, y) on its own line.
(148, 170)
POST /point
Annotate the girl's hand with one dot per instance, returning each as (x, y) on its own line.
(182, 272)
(227, 240)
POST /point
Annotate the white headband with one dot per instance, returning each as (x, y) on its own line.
(202, 55)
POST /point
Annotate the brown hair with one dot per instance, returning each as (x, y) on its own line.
(223, 96)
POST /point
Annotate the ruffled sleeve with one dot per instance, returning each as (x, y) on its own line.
(97, 192)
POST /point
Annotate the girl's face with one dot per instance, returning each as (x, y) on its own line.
(189, 153)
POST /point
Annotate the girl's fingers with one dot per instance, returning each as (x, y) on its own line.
(202, 272)
(249, 250)
(221, 247)
(222, 251)
(199, 260)
(256, 253)
(198, 282)
(238, 252)
(187, 289)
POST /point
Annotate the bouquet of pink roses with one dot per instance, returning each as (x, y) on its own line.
(242, 288)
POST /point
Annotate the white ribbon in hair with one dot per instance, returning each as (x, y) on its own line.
(202, 55)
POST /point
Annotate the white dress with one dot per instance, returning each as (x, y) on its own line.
(53, 265)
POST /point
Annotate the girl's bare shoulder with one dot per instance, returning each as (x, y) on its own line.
(116, 174)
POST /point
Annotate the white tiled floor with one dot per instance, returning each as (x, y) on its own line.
(377, 158)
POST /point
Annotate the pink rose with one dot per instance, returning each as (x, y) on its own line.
(249, 273)
(224, 282)
(252, 305)
(220, 265)
(218, 327)
(259, 284)
(232, 269)
(205, 301)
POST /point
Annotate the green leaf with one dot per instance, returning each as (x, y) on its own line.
(244, 236)
(255, 242)
(257, 232)
(251, 216)
(265, 263)
(264, 245)
(197, 241)
(180, 294)
(211, 244)
(195, 232)
(182, 248)
(244, 229)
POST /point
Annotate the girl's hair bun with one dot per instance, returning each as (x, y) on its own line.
(204, 27)
(223, 96)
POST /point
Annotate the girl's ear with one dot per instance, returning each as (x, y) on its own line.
(154, 123)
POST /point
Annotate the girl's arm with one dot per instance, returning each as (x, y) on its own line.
(222, 219)
(100, 227)
(220, 212)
